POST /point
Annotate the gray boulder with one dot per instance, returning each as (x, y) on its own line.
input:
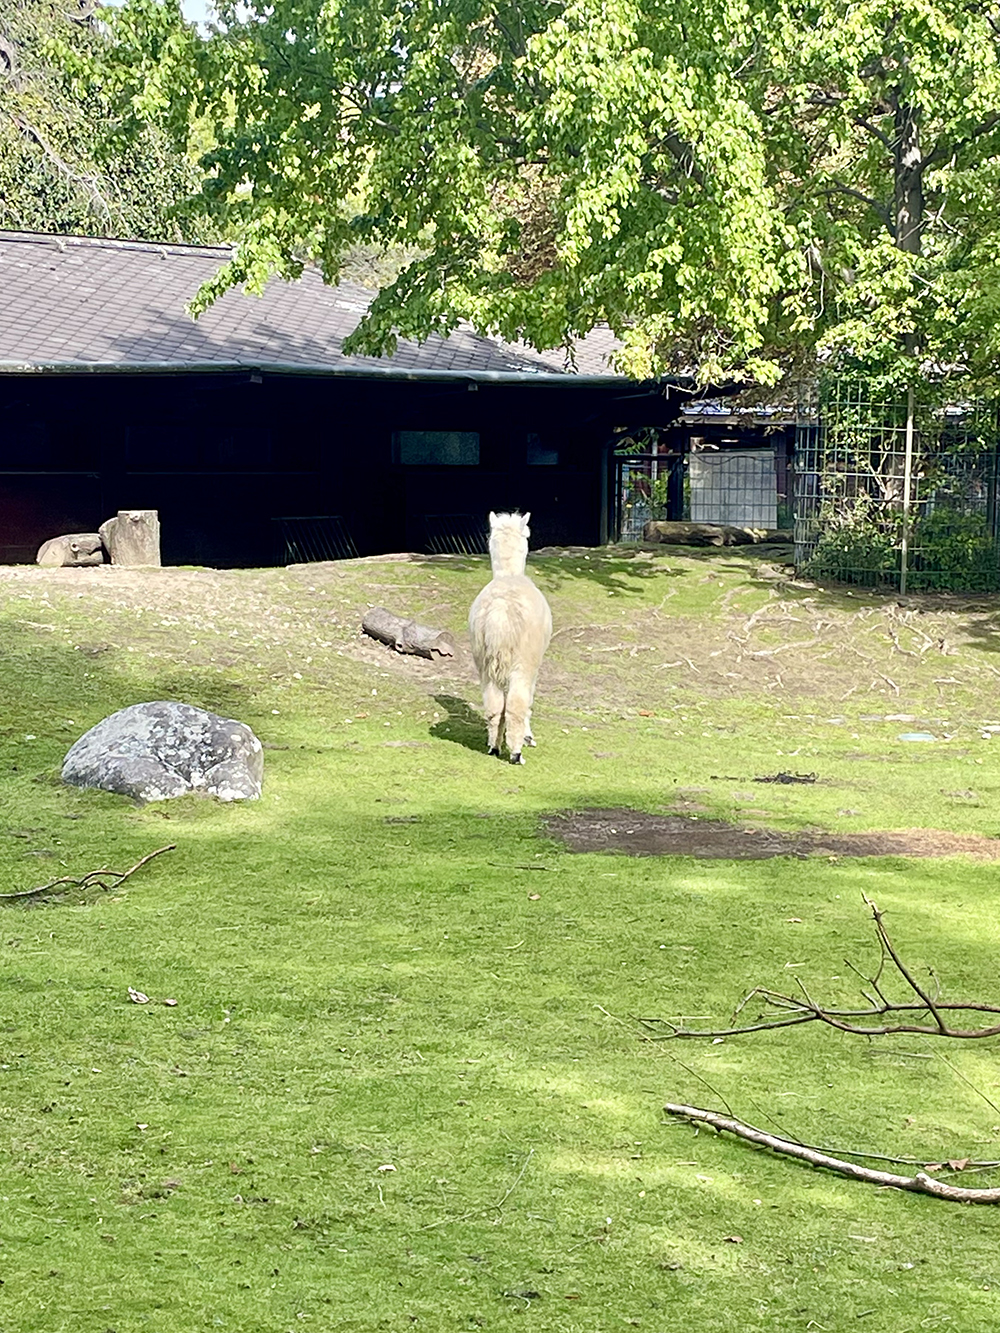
(159, 750)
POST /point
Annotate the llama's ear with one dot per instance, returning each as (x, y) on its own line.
(524, 522)
(493, 519)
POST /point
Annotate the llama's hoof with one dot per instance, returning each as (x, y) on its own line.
(530, 740)
(494, 751)
(517, 758)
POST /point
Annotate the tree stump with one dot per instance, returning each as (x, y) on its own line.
(406, 636)
(133, 538)
(73, 550)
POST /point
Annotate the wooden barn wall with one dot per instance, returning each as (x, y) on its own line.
(221, 456)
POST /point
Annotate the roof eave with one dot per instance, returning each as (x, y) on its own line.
(552, 377)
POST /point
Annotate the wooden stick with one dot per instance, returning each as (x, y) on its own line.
(89, 880)
(921, 1183)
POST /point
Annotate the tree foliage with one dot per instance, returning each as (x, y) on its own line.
(732, 185)
(69, 161)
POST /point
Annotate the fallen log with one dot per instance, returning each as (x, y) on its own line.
(673, 533)
(74, 550)
(407, 636)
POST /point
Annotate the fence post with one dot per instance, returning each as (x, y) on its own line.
(907, 478)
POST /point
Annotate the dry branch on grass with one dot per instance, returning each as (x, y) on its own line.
(101, 879)
(921, 1183)
(793, 1010)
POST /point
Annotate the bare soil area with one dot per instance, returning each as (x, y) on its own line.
(636, 833)
(815, 648)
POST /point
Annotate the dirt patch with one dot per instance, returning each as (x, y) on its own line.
(636, 833)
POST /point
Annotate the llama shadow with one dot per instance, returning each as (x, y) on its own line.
(461, 725)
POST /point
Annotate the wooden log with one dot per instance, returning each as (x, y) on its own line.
(708, 534)
(73, 550)
(133, 538)
(406, 636)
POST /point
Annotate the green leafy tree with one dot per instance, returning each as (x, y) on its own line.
(883, 119)
(68, 161)
(730, 184)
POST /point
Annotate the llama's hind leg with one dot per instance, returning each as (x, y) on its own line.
(529, 736)
(518, 719)
(493, 707)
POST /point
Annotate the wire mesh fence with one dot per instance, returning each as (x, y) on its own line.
(895, 492)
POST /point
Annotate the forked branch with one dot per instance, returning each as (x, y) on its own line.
(881, 1017)
(101, 879)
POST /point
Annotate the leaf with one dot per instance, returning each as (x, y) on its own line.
(136, 996)
(734, 1240)
(958, 1163)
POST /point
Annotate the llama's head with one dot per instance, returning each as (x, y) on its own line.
(509, 535)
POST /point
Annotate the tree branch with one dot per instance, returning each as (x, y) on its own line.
(864, 123)
(103, 879)
(943, 152)
(921, 1183)
(795, 1010)
(838, 187)
(90, 182)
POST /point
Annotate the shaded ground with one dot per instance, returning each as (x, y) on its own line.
(636, 833)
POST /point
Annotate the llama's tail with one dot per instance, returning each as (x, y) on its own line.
(497, 636)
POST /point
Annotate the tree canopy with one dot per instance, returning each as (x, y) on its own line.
(732, 185)
(69, 161)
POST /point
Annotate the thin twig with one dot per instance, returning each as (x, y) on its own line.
(921, 1183)
(90, 880)
(490, 1207)
(890, 950)
(968, 1082)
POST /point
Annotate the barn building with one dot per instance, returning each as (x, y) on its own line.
(259, 441)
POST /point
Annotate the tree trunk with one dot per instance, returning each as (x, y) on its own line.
(133, 538)
(406, 636)
(708, 534)
(908, 176)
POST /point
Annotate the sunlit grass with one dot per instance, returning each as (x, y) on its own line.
(387, 963)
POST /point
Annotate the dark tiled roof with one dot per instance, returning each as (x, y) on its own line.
(69, 301)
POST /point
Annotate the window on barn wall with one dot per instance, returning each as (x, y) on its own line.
(541, 452)
(40, 446)
(184, 446)
(436, 448)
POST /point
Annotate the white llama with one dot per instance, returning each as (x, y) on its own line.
(510, 625)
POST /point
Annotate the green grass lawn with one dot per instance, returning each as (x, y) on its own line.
(403, 1086)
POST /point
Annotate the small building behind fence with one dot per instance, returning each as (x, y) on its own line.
(896, 493)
